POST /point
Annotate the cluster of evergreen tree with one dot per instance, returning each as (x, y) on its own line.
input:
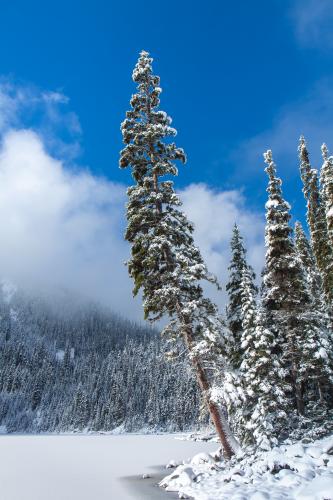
(266, 371)
(281, 343)
(87, 369)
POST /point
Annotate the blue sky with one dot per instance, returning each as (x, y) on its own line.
(237, 78)
(228, 71)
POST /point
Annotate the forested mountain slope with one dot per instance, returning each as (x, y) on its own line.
(69, 366)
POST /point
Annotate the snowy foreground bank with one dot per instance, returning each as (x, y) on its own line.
(300, 471)
(83, 467)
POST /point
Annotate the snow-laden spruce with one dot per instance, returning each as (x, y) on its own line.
(326, 179)
(313, 277)
(165, 264)
(302, 343)
(264, 414)
(234, 313)
(316, 218)
(256, 372)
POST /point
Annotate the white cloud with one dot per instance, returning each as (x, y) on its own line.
(59, 228)
(312, 20)
(23, 106)
(214, 213)
(63, 228)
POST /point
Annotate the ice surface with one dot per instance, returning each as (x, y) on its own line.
(77, 467)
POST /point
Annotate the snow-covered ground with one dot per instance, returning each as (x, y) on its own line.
(301, 471)
(79, 467)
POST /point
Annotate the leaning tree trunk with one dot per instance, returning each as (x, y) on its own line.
(213, 409)
(220, 424)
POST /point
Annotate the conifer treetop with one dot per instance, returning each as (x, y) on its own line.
(303, 247)
(326, 179)
(313, 277)
(274, 185)
(305, 166)
(165, 263)
(277, 209)
(318, 193)
(238, 257)
(324, 151)
(283, 280)
(234, 314)
(146, 128)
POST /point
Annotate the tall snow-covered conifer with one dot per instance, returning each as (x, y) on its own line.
(305, 253)
(316, 218)
(165, 264)
(262, 419)
(326, 179)
(234, 313)
(302, 348)
(320, 341)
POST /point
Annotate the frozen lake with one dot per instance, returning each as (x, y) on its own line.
(87, 467)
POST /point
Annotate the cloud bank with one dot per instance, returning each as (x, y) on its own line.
(62, 227)
(214, 214)
(59, 228)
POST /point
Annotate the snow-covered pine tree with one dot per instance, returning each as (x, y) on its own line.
(165, 264)
(326, 180)
(301, 346)
(234, 307)
(262, 419)
(321, 320)
(313, 277)
(316, 218)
